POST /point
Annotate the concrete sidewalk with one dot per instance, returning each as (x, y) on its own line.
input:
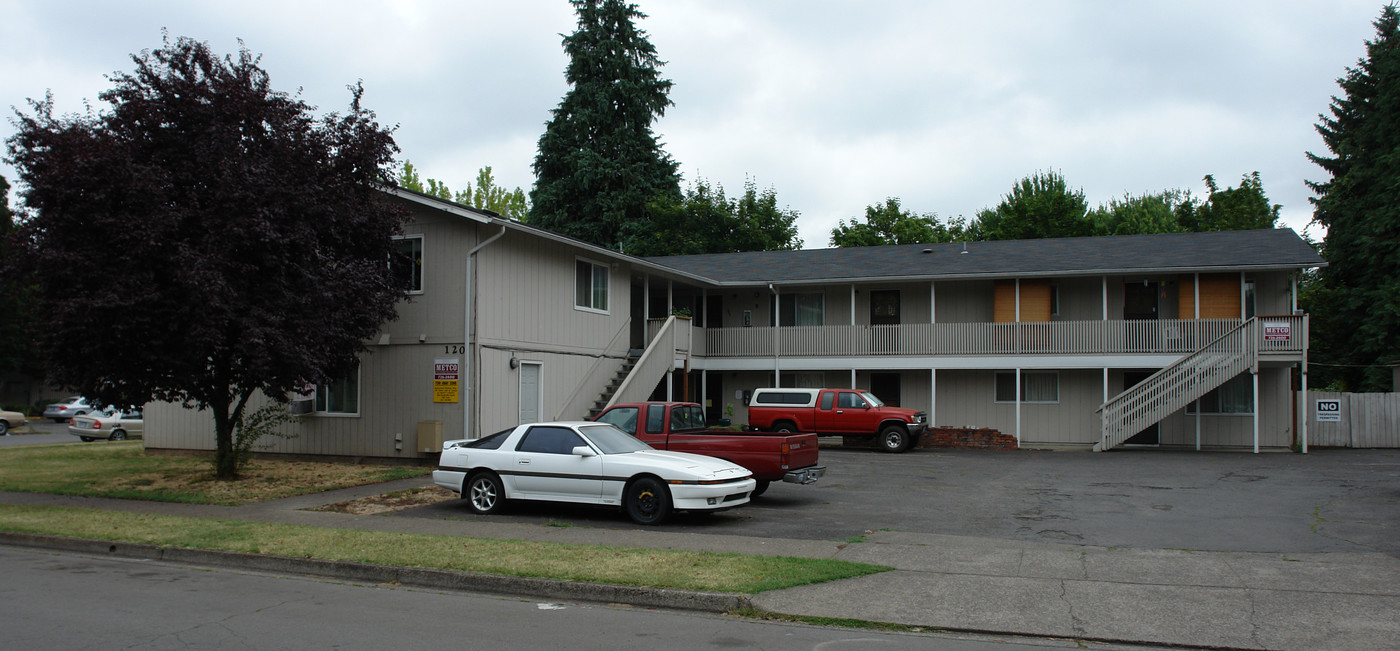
(1153, 596)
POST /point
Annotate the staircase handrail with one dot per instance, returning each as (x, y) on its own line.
(661, 347)
(568, 405)
(1240, 345)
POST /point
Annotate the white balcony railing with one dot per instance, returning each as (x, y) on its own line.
(1174, 336)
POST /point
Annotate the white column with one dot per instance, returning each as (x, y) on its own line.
(853, 304)
(1304, 418)
(932, 396)
(1018, 402)
(932, 303)
(1255, 376)
(1105, 298)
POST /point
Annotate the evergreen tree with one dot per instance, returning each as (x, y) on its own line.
(599, 163)
(1357, 304)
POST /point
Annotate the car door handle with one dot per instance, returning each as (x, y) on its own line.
(523, 462)
(840, 411)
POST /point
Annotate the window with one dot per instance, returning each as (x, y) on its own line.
(1236, 396)
(340, 396)
(407, 263)
(623, 418)
(550, 440)
(656, 419)
(1036, 386)
(590, 286)
(798, 309)
(1054, 300)
(850, 400)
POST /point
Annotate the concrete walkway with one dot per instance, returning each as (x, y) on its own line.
(1152, 596)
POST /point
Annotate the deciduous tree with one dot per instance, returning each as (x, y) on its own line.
(1040, 205)
(888, 223)
(599, 163)
(206, 237)
(1357, 302)
(705, 221)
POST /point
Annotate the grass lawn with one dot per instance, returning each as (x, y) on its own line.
(686, 570)
(123, 469)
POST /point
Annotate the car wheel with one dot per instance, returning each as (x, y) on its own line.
(118, 435)
(86, 439)
(758, 490)
(484, 493)
(4, 428)
(784, 427)
(894, 438)
(647, 501)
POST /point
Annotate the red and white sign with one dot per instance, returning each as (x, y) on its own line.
(1277, 331)
(446, 379)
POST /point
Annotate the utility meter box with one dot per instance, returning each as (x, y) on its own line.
(430, 436)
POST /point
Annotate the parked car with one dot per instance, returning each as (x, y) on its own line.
(680, 427)
(111, 424)
(10, 420)
(844, 412)
(60, 412)
(588, 463)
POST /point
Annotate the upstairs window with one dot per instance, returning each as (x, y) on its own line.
(406, 265)
(798, 309)
(590, 286)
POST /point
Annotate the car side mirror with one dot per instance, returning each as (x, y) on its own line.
(582, 451)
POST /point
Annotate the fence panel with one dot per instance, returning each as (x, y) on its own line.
(1368, 420)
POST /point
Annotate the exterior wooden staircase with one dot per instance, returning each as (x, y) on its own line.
(623, 371)
(1174, 387)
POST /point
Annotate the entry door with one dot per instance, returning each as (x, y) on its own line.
(884, 311)
(1149, 436)
(530, 394)
(1140, 301)
(885, 386)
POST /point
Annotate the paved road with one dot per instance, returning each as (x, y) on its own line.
(92, 602)
(1325, 501)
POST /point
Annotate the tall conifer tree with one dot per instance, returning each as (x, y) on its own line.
(599, 162)
(1357, 304)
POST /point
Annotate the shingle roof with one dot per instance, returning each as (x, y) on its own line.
(1172, 252)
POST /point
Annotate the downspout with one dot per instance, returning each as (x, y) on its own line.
(469, 336)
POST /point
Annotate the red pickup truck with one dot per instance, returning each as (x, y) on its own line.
(680, 426)
(847, 412)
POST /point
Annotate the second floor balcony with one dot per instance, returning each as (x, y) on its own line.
(1284, 336)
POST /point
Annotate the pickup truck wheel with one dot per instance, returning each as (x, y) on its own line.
(484, 493)
(894, 438)
(647, 501)
(758, 490)
(784, 427)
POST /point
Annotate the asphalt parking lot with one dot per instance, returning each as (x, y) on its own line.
(1325, 501)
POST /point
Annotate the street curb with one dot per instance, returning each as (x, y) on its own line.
(714, 602)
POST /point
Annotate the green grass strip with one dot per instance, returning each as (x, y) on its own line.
(687, 570)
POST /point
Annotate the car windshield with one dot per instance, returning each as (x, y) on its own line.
(870, 397)
(611, 440)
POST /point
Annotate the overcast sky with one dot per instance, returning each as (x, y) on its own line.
(835, 105)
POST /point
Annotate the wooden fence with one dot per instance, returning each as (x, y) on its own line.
(1364, 420)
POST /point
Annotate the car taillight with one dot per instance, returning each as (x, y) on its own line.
(97, 424)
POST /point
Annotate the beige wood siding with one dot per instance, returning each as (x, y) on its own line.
(965, 301)
(1237, 430)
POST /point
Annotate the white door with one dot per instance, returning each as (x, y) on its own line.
(531, 399)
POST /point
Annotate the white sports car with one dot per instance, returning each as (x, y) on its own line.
(588, 463)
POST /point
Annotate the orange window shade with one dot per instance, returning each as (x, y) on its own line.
(1220, 296)
(1035, 301)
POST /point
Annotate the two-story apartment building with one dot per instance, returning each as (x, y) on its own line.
(1040, 338)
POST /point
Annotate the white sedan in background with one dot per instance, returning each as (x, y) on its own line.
(109, 424)
(588, 463)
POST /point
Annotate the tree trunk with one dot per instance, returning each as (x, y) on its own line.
(225, 458)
